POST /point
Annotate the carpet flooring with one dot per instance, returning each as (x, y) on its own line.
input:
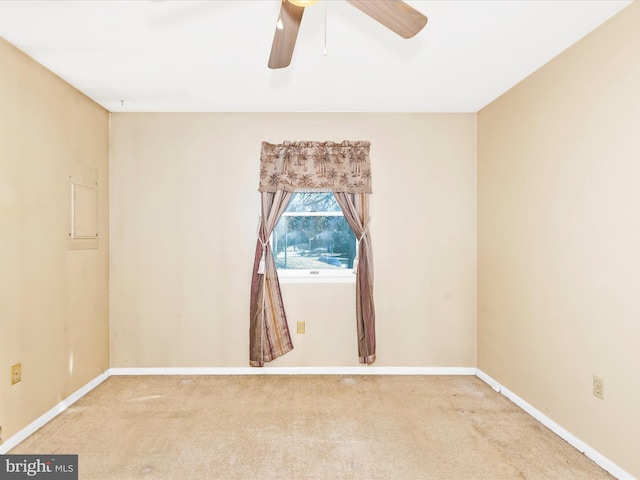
(305, 427)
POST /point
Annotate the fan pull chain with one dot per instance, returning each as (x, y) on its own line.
(325, 28)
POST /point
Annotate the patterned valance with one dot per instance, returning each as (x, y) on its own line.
(309, 166)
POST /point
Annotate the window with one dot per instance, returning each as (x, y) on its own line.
(313, 239)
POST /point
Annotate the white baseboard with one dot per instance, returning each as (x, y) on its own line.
(571, 439)
(363, 370)
(45, 418)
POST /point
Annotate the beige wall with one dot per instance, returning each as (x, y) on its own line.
(54, 316)
(184, 210)
(559, 238)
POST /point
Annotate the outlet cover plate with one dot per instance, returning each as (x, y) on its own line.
(16, 373)
(598, 387)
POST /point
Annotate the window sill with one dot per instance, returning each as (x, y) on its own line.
(322, 277)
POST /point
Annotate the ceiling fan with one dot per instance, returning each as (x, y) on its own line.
(393, 14)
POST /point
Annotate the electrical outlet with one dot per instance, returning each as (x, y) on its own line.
(300, 327)
(598, 387)
(16, 373)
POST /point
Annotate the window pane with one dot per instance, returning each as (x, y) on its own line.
(313, 202)
(313, 243)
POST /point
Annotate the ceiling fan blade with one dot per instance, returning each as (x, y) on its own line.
(285, 40)
(403, 19)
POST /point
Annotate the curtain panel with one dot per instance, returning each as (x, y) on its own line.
(269, 333)
(355, 207)
(342, 168)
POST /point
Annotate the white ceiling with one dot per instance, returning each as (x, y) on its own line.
(177, 55)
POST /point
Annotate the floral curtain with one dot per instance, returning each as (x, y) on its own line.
(308, 166)
(342, 168)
